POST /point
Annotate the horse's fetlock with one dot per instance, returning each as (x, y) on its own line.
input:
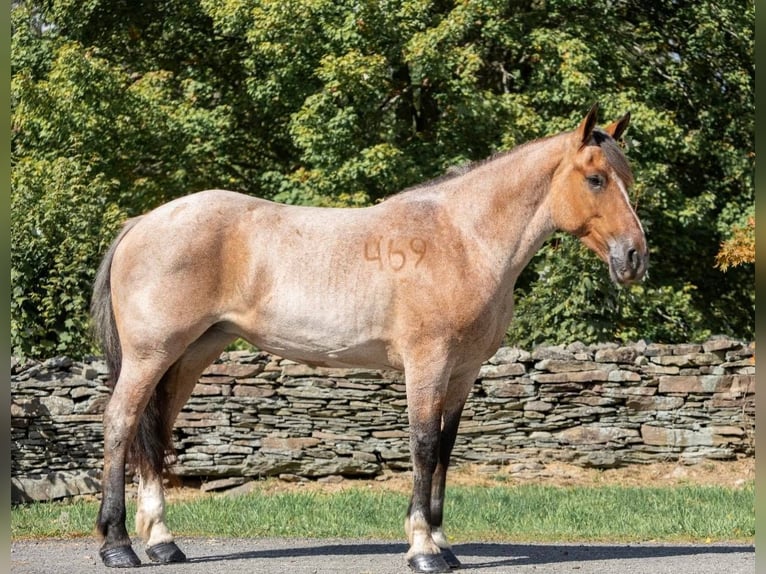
(152, 531)
(440, 538)
(143, 526)
(408, 529)
(423, 545)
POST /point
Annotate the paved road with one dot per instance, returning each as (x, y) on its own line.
(284, 556)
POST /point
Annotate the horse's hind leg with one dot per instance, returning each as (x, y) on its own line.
(173, 392)
(130, 396)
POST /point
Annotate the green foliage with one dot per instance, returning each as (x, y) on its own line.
(345, 102)
(59, 222)
(588, 307)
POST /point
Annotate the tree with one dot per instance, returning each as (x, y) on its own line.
(93, 143)
(739, 248)
(128, 104)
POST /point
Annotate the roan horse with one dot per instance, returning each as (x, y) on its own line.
(422, 282)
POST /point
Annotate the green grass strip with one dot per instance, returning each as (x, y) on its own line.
(501, 513)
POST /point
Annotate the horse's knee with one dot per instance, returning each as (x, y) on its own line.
(424, 444)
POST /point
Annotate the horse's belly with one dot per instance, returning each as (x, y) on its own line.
(372, 354)
(326, 332)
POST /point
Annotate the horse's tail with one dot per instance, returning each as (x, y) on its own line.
(154, 437)
(102, 313)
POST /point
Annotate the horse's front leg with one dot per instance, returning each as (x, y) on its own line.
(448, 434)
(425, 400)
(424, 554)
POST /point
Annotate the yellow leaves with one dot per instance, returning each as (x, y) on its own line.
(739, 249)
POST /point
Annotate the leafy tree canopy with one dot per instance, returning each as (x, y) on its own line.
(121, 105)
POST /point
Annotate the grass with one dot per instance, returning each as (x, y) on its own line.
(497, 513)
(611, 513)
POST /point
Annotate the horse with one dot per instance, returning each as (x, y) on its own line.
(421, 282)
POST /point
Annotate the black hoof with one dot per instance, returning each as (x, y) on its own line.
(450, 558)
(165, 553)
(428, 563)
(119, 557)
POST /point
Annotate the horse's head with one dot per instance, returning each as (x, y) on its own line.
(589, 198)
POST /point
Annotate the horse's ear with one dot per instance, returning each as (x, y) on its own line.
(587, 125)
(616, 129)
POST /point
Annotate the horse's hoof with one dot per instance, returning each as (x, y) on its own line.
(428, 563)
(450, 558)
(119, 557)
(165, 553)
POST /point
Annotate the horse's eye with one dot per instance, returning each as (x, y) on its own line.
(595, 181)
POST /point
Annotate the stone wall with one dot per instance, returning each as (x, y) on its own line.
(253, 414)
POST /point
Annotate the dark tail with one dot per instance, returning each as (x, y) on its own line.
(154, 437)
(101, 312)
(153, 444)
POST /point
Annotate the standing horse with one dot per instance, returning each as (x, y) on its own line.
(422, 282)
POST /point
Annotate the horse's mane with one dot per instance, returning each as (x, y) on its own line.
(608, 145)
(461, 169)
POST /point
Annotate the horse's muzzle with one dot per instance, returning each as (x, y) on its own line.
(628, 262)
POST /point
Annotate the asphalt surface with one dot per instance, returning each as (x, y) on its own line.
(285, 556)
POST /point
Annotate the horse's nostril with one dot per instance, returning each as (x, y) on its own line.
(633, 259)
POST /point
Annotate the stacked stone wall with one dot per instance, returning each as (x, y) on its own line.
(254, 414)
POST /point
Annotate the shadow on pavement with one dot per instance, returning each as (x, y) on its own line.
(492, 555)
(532, 554)
(321, 549)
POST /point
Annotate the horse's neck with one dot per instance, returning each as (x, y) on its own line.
(505, 206)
